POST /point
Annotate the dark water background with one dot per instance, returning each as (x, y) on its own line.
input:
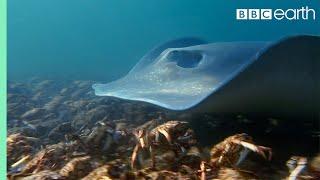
(103, 39)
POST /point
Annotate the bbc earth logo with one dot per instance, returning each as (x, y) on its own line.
(304, 13)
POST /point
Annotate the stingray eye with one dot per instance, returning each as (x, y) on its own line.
(185, 59)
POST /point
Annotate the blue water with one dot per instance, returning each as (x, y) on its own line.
(103, 39)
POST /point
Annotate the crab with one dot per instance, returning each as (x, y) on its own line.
(300, 168)
(209, 172)
(234, 149)
(102, 136)
(42, 175)
(59, 157)
(115, 169)
(228, 154)
(19, 148)
(40, 168)
(76, 168)
(174, 135)
(52, 157)
(149, 173)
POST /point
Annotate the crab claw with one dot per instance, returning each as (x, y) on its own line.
(258, 149)
(262, 150)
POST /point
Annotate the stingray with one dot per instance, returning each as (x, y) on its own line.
(275, 78)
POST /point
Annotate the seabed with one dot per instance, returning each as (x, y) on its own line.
(61, 130)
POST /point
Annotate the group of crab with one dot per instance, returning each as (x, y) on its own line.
(178, 137)
(103, 151)
(225, 157)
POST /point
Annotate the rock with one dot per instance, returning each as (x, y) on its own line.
(52, 105)
(40, 97)
(34, 113)
(58, 133)
(18, 88)
(98, 113)
(27, 131)
(65, 91)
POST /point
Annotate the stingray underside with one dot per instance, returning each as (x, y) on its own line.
(235, 77)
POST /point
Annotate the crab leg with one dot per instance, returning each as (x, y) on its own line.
(166, 134)
(225, 151)
(22, 160)
(140, 136)
(142, 142)
(203, 170)
(301, 165)
(41, 160)
(243, 155)
(134, 155)
(258, 149)
(153, 159)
